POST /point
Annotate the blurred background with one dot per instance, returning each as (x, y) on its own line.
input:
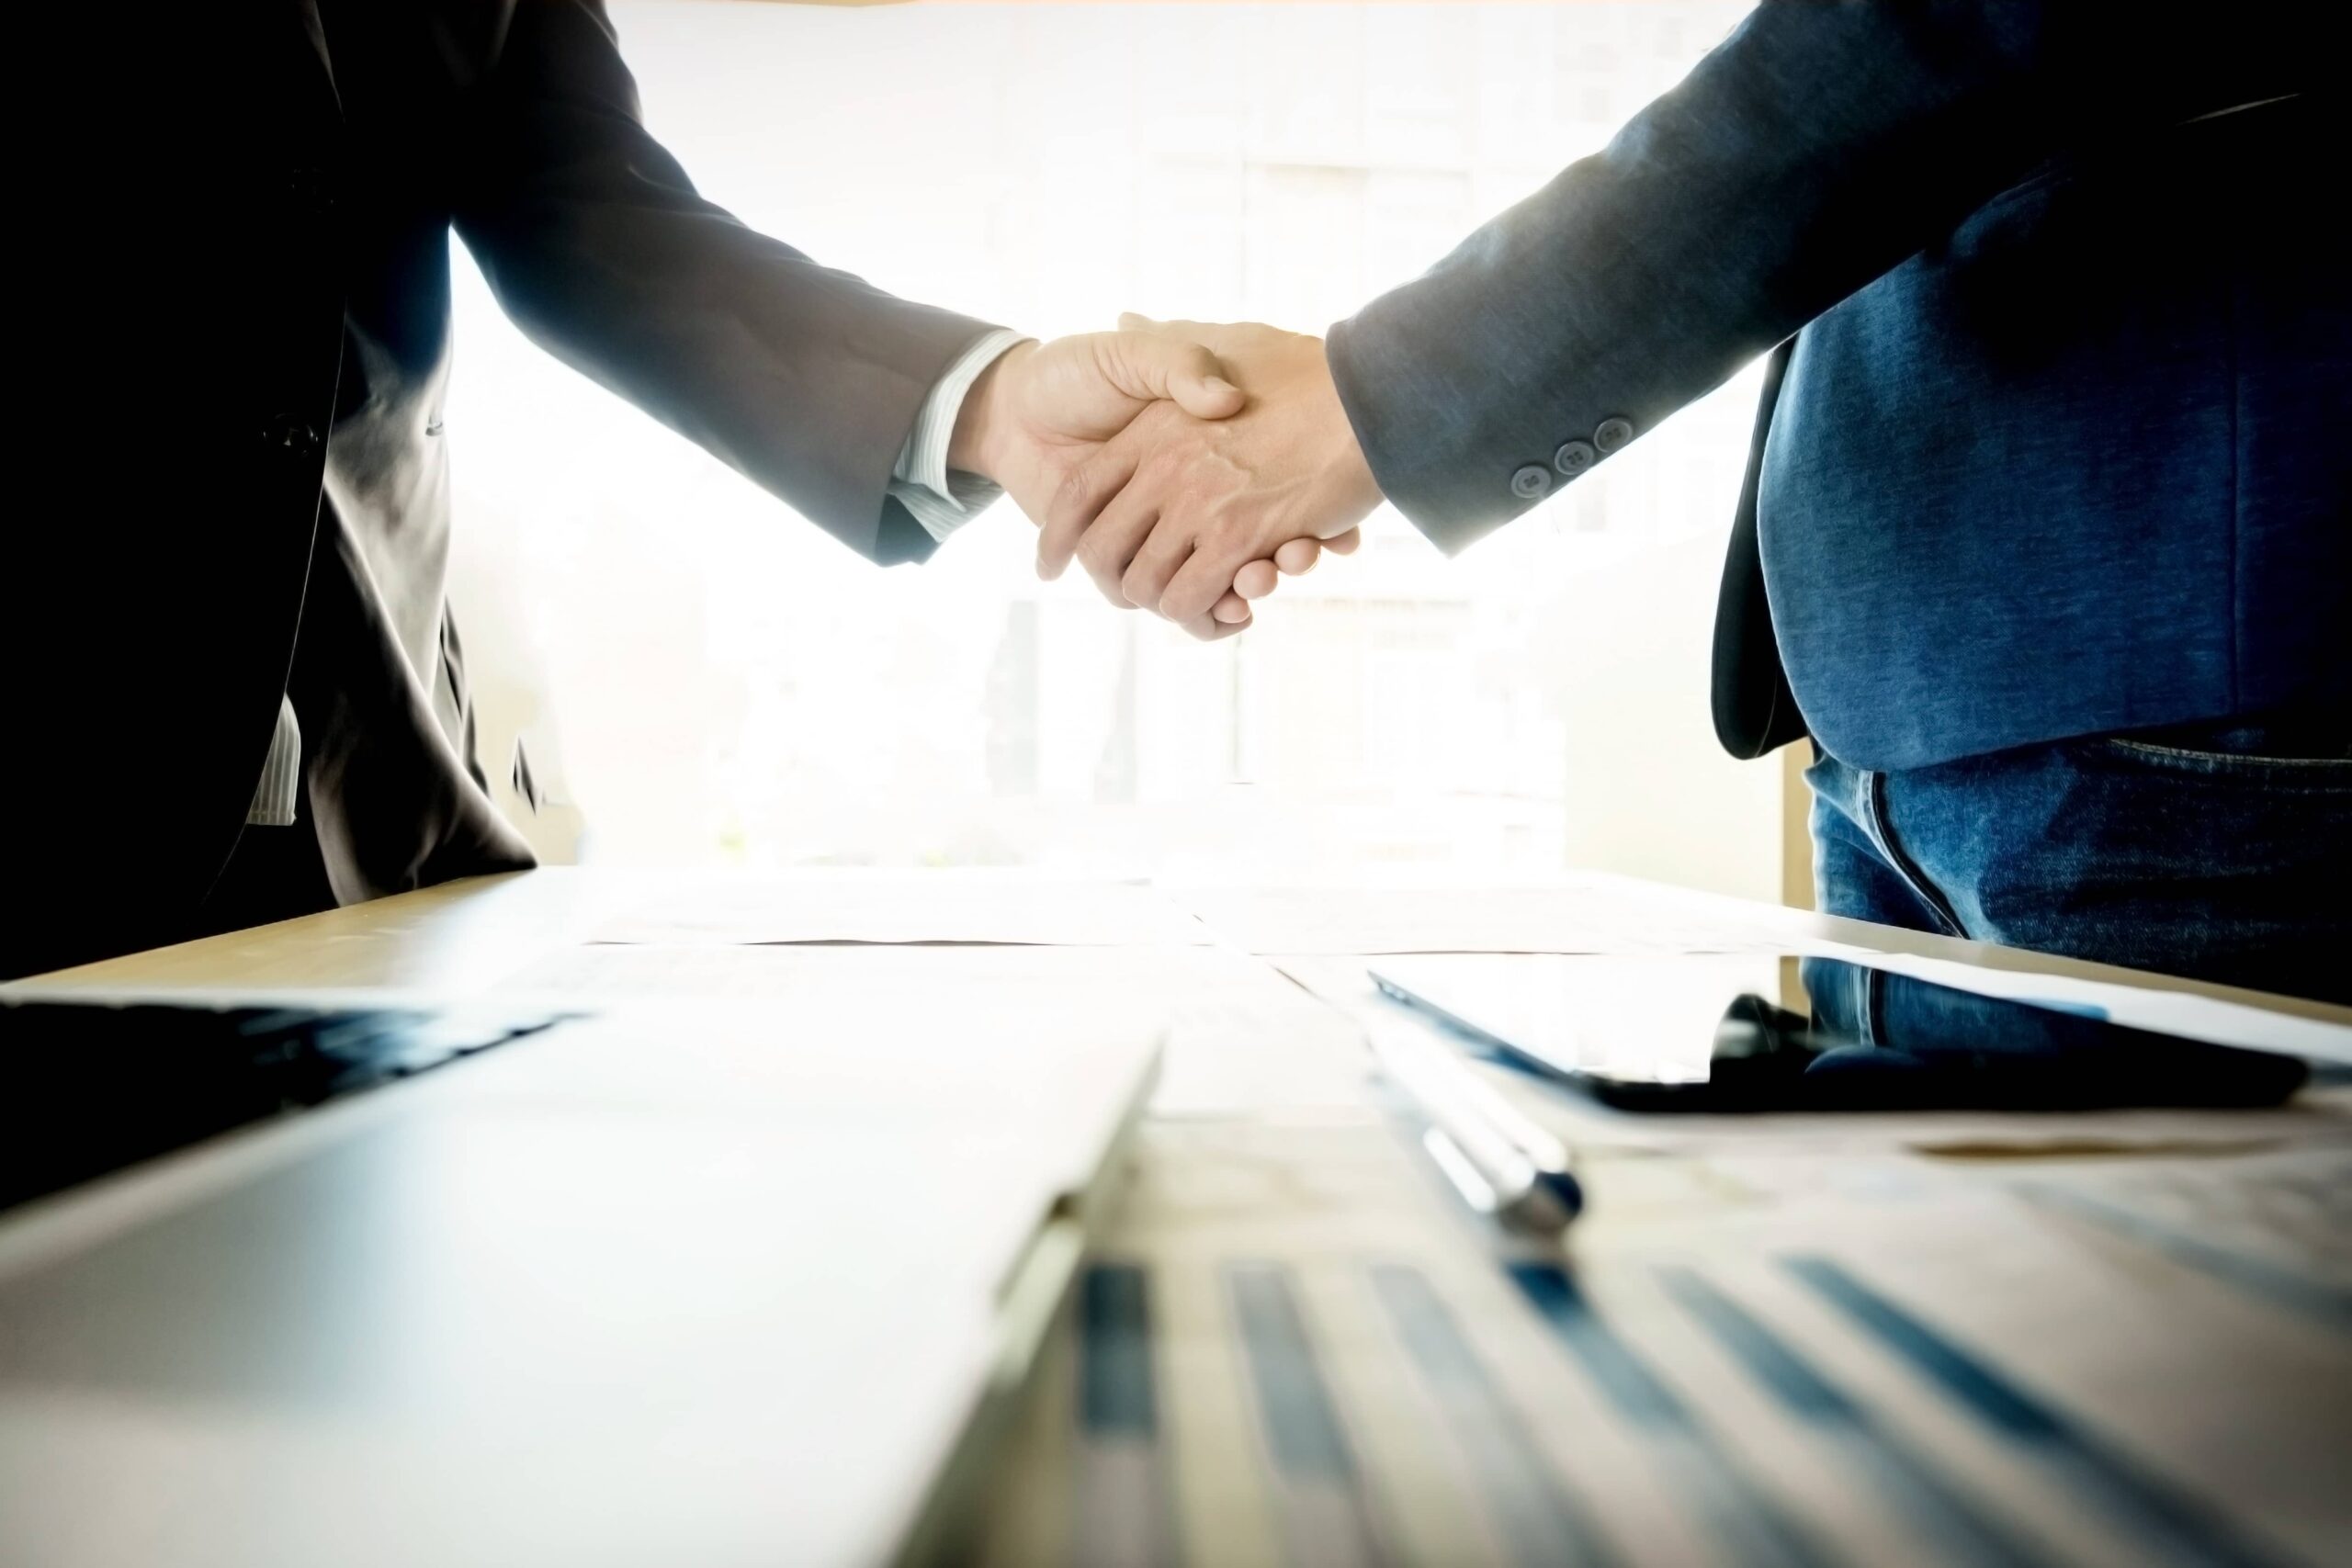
(699, 677)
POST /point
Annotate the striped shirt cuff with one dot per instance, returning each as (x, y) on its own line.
(281, 774)
(940, 500)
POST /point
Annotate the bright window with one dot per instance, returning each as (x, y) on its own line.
(706, 678)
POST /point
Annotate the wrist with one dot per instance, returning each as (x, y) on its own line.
(983, 424)
(1347, 471)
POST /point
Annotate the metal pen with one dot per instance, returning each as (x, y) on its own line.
(1499, 1160)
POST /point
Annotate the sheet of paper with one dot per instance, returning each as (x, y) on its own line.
(1242, 1038)
(1292, 1339)
(942, 907)
(1572, 914)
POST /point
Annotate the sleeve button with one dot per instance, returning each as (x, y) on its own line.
(1531, 482)
(310, 189)
(1573, 457)
(1611, 433)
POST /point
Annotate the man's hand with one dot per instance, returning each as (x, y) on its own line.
(1042, 410)
(1189, 516)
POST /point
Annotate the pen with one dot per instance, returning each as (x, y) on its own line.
(1501, 1163)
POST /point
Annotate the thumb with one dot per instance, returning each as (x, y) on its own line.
(1149, 367)
(1191, 332)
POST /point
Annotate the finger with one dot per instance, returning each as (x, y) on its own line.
(1208, 629)
(1344, 544)
(1149, 367)
(1193, 331)
(1296, 558)
(1217, 337)
(1233, 610)
(1255, 580)
(1083, 493)
(1109, 549)
(1157, 561)
(1202, 577)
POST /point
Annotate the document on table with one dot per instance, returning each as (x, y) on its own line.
(1577, 915)
(1240, 1037)
(975, 907)
(1293, 1348)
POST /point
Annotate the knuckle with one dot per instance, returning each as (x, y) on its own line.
(1065, 509)
(1231, 533)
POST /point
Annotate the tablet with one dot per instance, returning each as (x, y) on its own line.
(1790, 1032)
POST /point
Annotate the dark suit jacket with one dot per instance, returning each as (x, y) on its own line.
(2054, 444)
(238, 218)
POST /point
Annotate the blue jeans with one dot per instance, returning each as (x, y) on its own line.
(2219, 852)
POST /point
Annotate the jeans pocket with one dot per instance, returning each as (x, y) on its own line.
(2253, 765)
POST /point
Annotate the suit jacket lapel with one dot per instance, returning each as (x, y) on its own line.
(306, 14)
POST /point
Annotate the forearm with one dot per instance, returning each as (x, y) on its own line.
(1815, 149)
(805, 378)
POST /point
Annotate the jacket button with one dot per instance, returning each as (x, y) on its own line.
(1573, 457)
(310, 189)
(1531, 482)
(290, 435)
(1611, 433)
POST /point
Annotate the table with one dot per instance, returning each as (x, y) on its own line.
(2104, 1339)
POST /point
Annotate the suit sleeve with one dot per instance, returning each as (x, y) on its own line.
(804, 379)
(1815, 148)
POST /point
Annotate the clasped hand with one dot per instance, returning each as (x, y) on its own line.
(1184, 465)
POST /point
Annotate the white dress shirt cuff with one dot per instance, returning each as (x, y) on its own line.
(281, 774)
(942, 500)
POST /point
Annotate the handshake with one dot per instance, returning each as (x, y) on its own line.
(1184, 465)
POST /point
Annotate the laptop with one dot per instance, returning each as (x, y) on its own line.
(302, 1282)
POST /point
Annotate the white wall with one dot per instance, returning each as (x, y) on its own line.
(1649, 793)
